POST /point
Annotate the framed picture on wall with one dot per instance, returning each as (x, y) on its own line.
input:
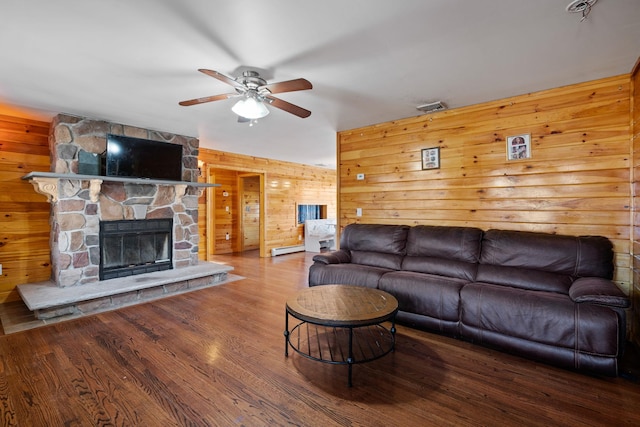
(519, 147)
(431, 158)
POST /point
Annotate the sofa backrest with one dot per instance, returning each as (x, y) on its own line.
(446, 251)
(543, 261)
(378, 245)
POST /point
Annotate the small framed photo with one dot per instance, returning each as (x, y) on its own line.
(431, 158)
(519, 147)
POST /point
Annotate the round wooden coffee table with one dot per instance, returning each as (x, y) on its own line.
(341, 324)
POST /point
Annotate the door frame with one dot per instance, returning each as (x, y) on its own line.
(241, 178)
(211, 207)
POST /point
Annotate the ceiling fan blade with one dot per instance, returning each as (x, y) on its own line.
(226, 79)
(207, 99)
(288, 107)
(288, 86)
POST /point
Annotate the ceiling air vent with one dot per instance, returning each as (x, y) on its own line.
(432, 107)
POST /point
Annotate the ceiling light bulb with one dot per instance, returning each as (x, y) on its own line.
(250, 108)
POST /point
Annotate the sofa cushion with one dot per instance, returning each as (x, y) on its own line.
(543, 317)
(445, 251)
(524, 278)
(345, 274)
(569, 255)
(377, 259)
(424, 294)
(459, 243)
(442, 267)
(376, 245)
(388, 239)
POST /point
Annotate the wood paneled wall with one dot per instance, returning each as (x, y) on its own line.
(286, 185)
(576, 182)
(635, 189)
(24, 227)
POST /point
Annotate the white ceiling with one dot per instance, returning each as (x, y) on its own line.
(370, 61)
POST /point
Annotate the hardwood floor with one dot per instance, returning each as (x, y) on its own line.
(216, 357)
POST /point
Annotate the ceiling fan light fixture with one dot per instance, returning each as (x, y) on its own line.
(250, 108)
(581, 6)
(255, 93)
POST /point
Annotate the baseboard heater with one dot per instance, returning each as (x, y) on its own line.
(287, 250)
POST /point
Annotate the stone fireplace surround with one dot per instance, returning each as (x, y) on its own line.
(80, 202)
(75, 217)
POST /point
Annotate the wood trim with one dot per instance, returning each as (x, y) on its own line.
(636, 68)
(210, 217)
(263, 216)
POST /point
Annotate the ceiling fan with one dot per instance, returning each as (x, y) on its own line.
(255, 93)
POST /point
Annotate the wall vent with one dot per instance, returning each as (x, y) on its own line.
(432, 107)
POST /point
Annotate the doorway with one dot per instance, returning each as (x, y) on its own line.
(235, 211)
(249, 212)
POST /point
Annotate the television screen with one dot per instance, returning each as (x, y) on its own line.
(142, 158)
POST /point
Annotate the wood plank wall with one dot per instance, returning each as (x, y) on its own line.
(576, 182)
(24, 227)
(635, 189)
(286, 185)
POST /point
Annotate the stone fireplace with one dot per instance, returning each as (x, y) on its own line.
(80, 208)
(150, 227)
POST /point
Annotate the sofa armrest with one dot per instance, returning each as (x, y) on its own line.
(336, 257)
(597, 290)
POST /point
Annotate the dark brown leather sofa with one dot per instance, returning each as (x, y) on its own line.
(543, 296)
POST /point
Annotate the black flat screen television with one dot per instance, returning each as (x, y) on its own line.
(142, 158)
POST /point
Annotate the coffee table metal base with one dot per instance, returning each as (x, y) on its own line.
(340, 345)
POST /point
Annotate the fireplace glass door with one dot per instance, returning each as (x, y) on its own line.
(132, 247)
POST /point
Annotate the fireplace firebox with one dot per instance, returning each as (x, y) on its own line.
(130, 247)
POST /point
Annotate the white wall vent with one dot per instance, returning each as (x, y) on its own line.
(431, 107)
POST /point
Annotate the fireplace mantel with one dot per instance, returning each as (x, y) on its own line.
(46, 183)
